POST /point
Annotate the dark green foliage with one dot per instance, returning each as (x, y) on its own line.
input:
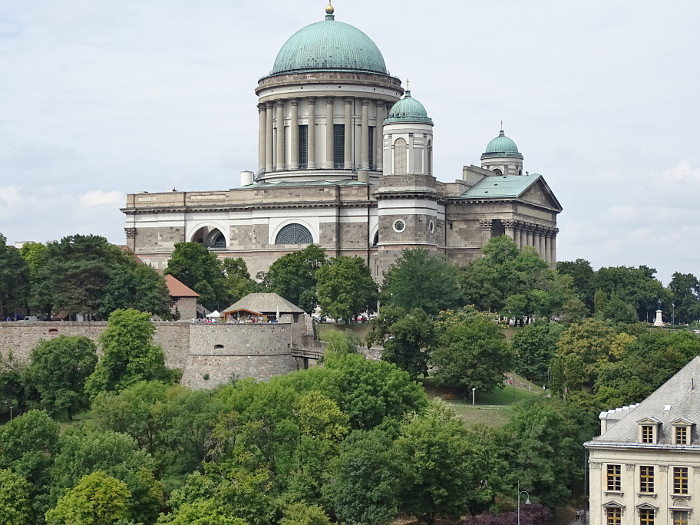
(118, 455)
(365, 484)
(613, 308)
(533, 514)
(237, 282)
(14, 279)
(345, 288)
(195, 266)
(58, 371)
(470, 351)
(534, 347)
(405, 336)
(129, 355)
(15, 502)
(645, 364)
(84, 274)
(293, 276)
(421, 279)
(12, 387)
(685, 290)
(635, 286)
(583, 278)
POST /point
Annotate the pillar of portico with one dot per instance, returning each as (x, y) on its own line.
(280, 136)
(329, 134)
(294, 135)
(311, 127)
(486, 225)
(268, 136)
(379, 146)
(261, 137)
(348, 134)
(547, 247)
(540, 250)
(364, 156)
(528, 235)
(553, 251)
(510, 229)
(519, 235)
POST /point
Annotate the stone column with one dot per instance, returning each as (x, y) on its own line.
(280, 136)
(364, 156)
(268, 136)
(311, 125)
(379, 143)
(519, 235)
(553, 256)
(486, 225)
(541, 247)
(329, 134)
(528, 235)
(348, 134)
(294, 136)
(261, 138)
(510, 229)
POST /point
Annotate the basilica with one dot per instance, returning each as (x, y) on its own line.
(345, 161)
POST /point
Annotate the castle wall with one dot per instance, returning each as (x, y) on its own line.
(216, 351)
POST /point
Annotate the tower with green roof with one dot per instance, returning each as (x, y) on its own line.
(502, 156)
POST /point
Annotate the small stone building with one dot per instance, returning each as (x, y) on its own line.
(184, 298)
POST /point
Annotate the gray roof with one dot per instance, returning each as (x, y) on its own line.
(265, 303)
(502, 186)
(677, 399)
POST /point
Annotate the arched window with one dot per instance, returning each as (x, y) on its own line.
(400, 157)
(294, 234)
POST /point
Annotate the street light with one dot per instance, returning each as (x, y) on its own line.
(673, 314)
(527, 501)
(473, 396)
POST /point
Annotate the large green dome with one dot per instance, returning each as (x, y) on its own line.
(408, 109)
(502, 146)
(329, 46)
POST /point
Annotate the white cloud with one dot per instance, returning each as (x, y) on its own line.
(101, 198)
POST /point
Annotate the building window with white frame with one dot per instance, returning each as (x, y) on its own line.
(614, 516)
(646, 517)
(614, 478)
(680, 480)
(680, 517)
(646, 479)
(647, 433)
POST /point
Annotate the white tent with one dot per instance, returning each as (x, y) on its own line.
(214, 314)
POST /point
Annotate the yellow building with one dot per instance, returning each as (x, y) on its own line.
(644, 468)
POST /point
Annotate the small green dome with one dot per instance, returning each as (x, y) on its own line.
(329, 45)
(408, 109)
(502, 146)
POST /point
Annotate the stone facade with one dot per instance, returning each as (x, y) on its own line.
(341, 158)
(207, 354)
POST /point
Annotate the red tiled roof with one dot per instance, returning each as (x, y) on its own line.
(178, 288)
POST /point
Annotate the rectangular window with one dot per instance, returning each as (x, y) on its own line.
(646, 517)
(647, 433)
(680, 517)
(614, 477)
(646, 479)
(680, 480)
(681, 435)
(614, 516)
(339, 146)
(303, 147)
(372, 130)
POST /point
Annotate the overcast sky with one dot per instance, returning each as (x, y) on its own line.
(99, 98)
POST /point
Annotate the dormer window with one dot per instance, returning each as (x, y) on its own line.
(649, 430)
(682, 431)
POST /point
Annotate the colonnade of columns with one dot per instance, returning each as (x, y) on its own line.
(542, 238)
(273, 146)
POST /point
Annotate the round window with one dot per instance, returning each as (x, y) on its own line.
(399, 226)
(431, 226)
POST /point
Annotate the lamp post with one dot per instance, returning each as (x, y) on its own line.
(473, 396)
(527, 501)
(673, 314)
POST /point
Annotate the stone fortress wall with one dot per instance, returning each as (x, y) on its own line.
(207, 354)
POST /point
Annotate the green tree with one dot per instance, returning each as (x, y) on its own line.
(201, 512)
(136, 285)
(635, 286)
(58, 371)
(421, 279)
(14, 279)
(471, 351)
(345, 288)
(685, 290)
(365, 479)
(534, 347)
(197, 267)
(405, 336)
(237, 282)
(15, 503)
(613, 308)
(583, 276)
(293, 276)
(304, 514)
(118, 455)
(98, 499)
(12, 387)
(27, 447)
(441, 464)
(129, 355)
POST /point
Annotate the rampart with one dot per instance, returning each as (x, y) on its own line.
(207, 354)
